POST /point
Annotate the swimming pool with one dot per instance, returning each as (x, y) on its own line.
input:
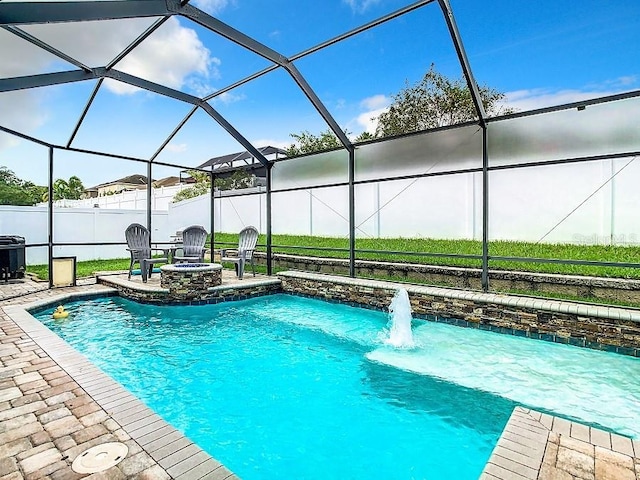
(289, 386)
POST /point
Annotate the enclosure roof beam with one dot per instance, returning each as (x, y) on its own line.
(464, 61)
(29, 13)
(228, 32)
(362, 28)
(18, 83)
(152, 28)
(313, 98)
(327, 43)
(45, 79)
(148, 85)
(92, 97)
(45, 46)
(234, 133)
(258, 48)
(174, 133)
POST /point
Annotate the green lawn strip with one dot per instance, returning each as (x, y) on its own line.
(85, 268)
(285, 243)
(623, 254)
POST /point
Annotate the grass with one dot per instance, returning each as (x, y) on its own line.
(84, 268)
(607, 253)
(286, 244)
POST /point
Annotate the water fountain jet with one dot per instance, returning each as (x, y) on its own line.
(400, 335)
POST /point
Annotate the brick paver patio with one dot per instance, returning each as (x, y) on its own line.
(54, 405)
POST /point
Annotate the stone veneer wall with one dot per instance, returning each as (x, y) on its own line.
(459, 277)
(599, 327)
(190, 283)
(218, 294)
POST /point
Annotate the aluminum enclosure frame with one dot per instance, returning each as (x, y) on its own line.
(14, 14)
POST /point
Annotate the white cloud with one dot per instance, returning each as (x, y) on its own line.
(173, 56)
(375, 102)
(228, 98)
(628, 80)
(524, 100)
(369, 120)
(360, 6)
(373, 106)
(531, 99)
(177, 147)
(20, 111)
(212, 7)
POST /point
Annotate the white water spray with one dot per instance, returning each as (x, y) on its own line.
(400, 335)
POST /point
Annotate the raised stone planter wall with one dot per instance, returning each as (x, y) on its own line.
(149, 294)
(190, 281)
(600, 327)
(470, 278)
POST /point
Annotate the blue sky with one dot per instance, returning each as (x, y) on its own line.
(539, 54)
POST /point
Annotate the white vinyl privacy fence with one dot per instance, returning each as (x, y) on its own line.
(560, 176)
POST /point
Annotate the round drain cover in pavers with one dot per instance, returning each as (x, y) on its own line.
(100, 457)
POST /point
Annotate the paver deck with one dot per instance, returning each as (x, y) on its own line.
(54, 405)
(537, 446)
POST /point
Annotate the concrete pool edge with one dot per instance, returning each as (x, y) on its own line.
(535, 445)
(168, 449)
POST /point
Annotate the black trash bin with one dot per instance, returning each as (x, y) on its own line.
(12, 258)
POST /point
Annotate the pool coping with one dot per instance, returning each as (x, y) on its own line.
(538, 446)
(175, 453)
(551, 305)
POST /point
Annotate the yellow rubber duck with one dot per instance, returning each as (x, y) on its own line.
(60, 313)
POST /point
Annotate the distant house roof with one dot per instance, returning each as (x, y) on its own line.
(226, 162)
(135, 179)
(167, 182)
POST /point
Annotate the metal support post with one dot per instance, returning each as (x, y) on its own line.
(50, 222)
(149, 199)
(352, 215)
(268, 207)
(212, 215)
(485, 209)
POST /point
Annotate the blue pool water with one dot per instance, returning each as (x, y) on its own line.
(284, 386)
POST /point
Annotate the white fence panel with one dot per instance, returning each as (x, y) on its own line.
(589, 206)
(78, 225)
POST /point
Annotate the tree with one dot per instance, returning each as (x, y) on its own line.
(436, 101)
(200, 187)
(239, 179)
(14, 191)
(307, 142)
(72, 189)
